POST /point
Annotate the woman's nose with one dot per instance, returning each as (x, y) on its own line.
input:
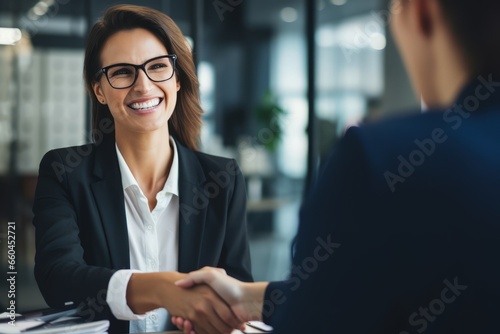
(143, 83)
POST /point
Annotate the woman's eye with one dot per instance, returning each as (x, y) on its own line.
(121, 72)
(158, 66)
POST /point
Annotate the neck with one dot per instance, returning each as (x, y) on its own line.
(449, 73)
(449, 81)
(148, 156)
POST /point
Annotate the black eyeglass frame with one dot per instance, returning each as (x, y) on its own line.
(104, 70)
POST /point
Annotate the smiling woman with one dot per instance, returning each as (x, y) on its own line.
(140, 99)
(185, 123)
(121, 221)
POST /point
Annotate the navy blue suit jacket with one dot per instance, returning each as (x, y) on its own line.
(401, 233)
(81, 228)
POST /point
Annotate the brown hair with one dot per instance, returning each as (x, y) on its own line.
(477, 29)
(185, 122)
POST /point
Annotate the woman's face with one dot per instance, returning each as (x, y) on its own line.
(146, 106)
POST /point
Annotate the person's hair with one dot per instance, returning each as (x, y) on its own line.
(476, 26)
(185, 122)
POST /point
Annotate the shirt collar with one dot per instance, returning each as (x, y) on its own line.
(172, 183)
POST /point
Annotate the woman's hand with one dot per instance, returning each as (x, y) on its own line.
(245, 299)
(207, 312)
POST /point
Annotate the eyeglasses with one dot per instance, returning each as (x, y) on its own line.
(123, 75)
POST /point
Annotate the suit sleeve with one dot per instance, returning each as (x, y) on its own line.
(235, 257)
(60, 270)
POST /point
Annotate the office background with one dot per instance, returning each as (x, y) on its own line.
(281, 80)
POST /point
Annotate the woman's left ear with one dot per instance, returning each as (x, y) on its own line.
(178, 85)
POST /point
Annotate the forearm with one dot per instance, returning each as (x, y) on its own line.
(149, 291)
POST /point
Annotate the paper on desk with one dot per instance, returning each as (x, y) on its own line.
(251, 330)
(6, 315)
(58, 326)
(95, 327)
(19, 326)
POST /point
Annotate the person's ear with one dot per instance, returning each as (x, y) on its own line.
(426, 14)
(178, 84)
(96, 86)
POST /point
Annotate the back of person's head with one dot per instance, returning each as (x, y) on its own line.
(185, 122)
(476, 28)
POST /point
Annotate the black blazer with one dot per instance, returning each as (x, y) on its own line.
(81, 229)
(401, 233)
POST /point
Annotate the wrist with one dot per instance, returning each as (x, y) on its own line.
(252, 298)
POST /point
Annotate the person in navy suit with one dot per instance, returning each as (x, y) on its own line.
(401, 233)
(119, 220)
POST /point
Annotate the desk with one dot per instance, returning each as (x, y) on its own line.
(234, 332)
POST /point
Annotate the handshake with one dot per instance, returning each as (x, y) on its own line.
(225, 304)
(234, 304)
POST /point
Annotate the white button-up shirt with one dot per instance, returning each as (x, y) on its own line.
(153, 242)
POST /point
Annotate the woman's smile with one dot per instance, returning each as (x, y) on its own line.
(145, 106)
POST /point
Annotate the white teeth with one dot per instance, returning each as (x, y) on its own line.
(145, 105)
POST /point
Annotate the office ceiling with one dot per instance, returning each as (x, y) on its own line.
(66, 21)
(268, 13)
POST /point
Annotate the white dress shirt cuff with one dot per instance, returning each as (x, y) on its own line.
(117, 295)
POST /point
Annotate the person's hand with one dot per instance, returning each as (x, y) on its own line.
(226, 287)
(245, 299)
(187, 327)
(207, 312)
(184, 325)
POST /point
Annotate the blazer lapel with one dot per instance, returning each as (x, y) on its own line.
(193, 205)
(109, 198)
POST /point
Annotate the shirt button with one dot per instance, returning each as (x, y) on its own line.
(149, 227)
(154, 317)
